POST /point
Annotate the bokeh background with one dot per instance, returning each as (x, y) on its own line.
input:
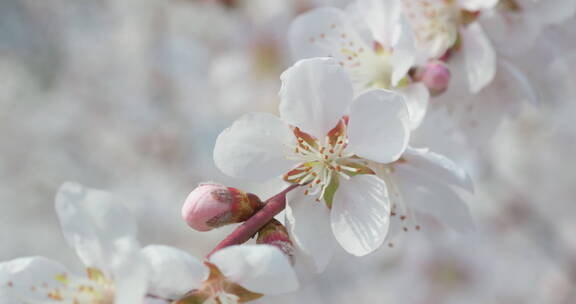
(129, 96)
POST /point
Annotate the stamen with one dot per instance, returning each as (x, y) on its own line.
(351, 169)
(320, 160)
(345, 176)
(328, 181)
(296, 176)
(307, 179)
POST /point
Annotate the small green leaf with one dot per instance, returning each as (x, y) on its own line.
(402, 83)
(331, 190)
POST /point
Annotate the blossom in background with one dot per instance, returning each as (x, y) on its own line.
(460, 125)
(515, 25)
(236, 274)
(376, 42)
(118, 271)
(422, 184)
(370, 59)
(372, 41)
(448, 30)
(103, 235)
(312, 145)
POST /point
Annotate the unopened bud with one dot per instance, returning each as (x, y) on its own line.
(435, 76)
(212, 205)
(275, 234)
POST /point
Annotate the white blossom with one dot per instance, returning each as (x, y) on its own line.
(313, 146)
(118, 271)
(103, 234)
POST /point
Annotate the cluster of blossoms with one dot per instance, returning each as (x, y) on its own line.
(368, 85)
(118, 270)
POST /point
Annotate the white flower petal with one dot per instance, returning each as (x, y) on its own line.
(513, 87)
(406, 48)
(382, 18)
(331, 32)
(503, 98)
(309, 225)
(28, 280)
(315, 33)
(360, 215)
(254, 147)
(173, 272)
(439, 167)
(406, 53)
(315, 94)
(402, 60)
(416, 96)
(511, 33)
(348, 37)
(425, 194)
(378, 128)
(93, 222)
(130, 272)
(434, 33)
(476, 5)
(479, 57)
(258, 268)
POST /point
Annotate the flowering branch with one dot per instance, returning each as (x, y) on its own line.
(244, 232)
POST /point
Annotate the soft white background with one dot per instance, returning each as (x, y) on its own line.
(129, 95)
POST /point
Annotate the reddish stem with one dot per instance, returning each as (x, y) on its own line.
(244, 232)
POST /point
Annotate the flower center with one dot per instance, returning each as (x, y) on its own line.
(435, 23)
(93, 289)
(322, 163)
(380, 69)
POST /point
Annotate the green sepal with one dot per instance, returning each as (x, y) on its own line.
(331, 190)
(404, 82)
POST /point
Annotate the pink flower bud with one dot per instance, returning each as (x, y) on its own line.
(436, 76)
(212, 205)
(275, 234)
